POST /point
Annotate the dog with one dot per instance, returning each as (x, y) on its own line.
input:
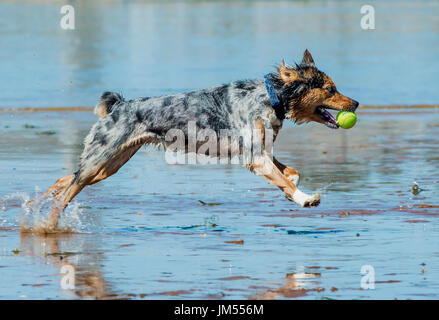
(301, 93)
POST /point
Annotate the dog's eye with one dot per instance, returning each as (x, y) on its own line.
(331, 90)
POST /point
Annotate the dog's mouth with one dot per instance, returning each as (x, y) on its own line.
(327, 117)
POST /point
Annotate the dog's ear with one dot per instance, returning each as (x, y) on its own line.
(287, 74)
(307, 60)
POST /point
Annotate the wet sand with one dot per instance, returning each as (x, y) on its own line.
(148, 232)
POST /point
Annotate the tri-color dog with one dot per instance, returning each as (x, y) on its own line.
(301, 93)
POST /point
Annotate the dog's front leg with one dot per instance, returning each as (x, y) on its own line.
(266, 167)
(290, 173)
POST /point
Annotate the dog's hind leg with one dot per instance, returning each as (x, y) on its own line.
(111, 142)
(107, 148)
(59, 185)
(65, 189)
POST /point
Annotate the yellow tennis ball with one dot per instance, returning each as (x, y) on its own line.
(346, 119)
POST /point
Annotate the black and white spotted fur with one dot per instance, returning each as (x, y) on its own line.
(235, 106)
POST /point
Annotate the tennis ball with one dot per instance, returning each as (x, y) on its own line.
(346, 119)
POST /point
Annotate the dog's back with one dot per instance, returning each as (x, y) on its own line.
(228, 106)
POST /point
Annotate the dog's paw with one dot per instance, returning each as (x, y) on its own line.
(306, 200)
(312, 201)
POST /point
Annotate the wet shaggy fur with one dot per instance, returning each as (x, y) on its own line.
(234, 106)
(124, 126)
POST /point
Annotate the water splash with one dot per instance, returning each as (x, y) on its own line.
(324, 189)
(33, 213)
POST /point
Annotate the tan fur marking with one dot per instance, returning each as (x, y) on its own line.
(287, 171)
(59, 185)
(286, 74)
(145, 138)
(101, 110)
(303, 109)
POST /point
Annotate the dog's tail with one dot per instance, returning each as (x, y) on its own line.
(106, 103)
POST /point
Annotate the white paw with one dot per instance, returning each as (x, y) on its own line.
(306, 200)
(312, 201)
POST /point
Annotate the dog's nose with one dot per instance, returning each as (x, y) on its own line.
(355, 104)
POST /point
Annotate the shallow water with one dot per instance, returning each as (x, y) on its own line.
(143, 233)
(146, 234)
(146, 48)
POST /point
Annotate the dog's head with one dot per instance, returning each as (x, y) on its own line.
(309, 92)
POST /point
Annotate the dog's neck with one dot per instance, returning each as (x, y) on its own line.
(275, 101)
(288, 94)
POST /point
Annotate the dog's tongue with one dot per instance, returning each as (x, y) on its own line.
(329, 115)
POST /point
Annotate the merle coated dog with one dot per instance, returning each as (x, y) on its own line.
(301, 93)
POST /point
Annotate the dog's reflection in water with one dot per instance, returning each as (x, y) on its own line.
(78, 267)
